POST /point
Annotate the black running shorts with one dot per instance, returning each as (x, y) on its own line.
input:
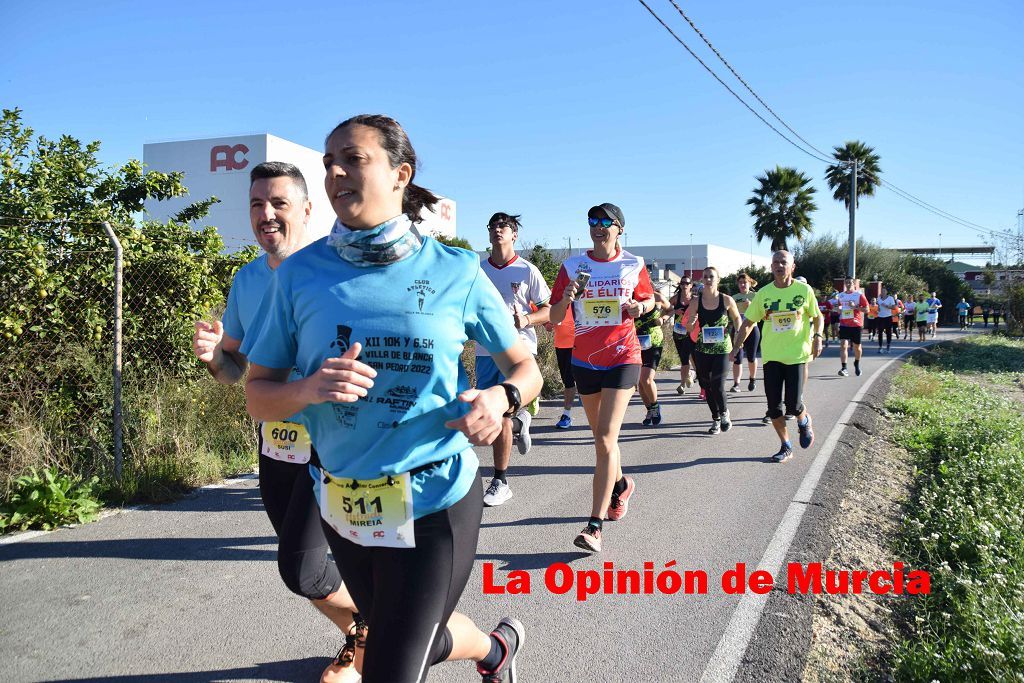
(649, 358)
(593, 381)
(850, 333)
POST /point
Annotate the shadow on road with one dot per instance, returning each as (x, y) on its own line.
(528, 561)
(217, 500)
(234, 549)
(537, 521)
(308, 669)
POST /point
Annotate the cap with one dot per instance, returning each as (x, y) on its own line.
(801, 278)
(610, 210)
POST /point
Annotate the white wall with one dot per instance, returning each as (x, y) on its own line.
(220, 167)
(311, 163)
(228, 180)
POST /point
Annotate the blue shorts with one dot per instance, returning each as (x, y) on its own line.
(487, 373)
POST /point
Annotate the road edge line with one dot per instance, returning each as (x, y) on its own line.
(728, 654)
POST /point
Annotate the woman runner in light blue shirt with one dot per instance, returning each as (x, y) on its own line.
(374, 317)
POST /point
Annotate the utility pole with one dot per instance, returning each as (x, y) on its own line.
(851, 266)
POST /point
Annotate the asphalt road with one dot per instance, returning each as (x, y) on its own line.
(190, 592)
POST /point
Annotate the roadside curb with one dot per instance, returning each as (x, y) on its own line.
(780, 645)
(113, 512)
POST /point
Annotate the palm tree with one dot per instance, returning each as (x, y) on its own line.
(838, 175)
(783, 204)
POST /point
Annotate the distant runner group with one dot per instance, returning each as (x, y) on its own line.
(352, 348)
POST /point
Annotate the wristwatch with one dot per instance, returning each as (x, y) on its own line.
(515, 401)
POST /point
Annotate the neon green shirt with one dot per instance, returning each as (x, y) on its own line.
(788, 315)
(743, 300)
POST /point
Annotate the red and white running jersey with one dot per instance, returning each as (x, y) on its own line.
(605, 335)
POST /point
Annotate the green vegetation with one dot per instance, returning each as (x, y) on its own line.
(48, 499)
(838, 175)
(822, 258)
(965, 520)
(56, 326)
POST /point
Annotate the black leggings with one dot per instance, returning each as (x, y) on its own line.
(750, 345)
(564, 358)
(884, 325)
(778, 377)
(711, 369)
(406, 595)
(684, 347)
(287, 492)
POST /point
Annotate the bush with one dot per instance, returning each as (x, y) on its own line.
(48, 499)
(182, 433)
(965, 521)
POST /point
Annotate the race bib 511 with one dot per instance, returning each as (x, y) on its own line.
(375, 512)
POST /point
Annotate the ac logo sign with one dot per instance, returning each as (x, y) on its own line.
(227, 157)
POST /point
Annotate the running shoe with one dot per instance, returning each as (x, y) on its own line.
(726, 421)
(533, 407)
(888, 349)
(649, 419)
(511, 634)
(564, 422)
(703, 395)
(751, 384)
(735, 388)
(525, 441)
(806, 433)
(343, 669)
(856, 368)
(784, 454)
(589, 539)
(716, 427)
(656, 418)
(620, 503)
(681, 389)
(766, 420)
(843, 372)
(497, 493)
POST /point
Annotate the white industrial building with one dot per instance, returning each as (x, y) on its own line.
(220, 167)
(691, 259)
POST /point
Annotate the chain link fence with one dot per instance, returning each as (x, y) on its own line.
(171, 426)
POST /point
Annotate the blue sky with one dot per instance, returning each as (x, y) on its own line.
(546, 108)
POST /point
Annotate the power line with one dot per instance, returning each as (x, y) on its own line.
(820, 156)
(731, 91)
(943, 214)
(745, 85)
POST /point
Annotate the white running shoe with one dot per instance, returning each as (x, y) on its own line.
(497, 493)
(525, 441)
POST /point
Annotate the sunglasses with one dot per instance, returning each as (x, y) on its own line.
(498, 226)
(603, 222)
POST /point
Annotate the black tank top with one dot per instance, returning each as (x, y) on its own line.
(711, 317)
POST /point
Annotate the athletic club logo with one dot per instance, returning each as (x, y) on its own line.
(799, 300)
(515, 287)
(342, 342)
(422, 290)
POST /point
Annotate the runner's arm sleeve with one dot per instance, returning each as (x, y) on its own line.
(755, 311)
(486, 317)
(540, 293)
(558, 292)
(644, 289)
(231, 320)
(271, 339)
